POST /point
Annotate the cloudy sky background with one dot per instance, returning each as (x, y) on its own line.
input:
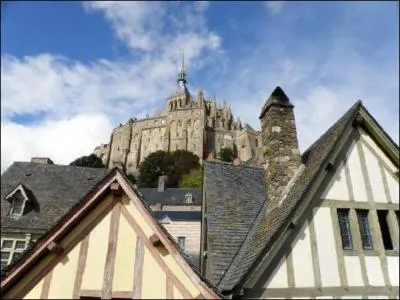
(71, 71)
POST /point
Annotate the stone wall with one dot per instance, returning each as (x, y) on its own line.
(281, 151)
(199, 126)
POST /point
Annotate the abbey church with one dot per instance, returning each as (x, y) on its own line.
(198, 125)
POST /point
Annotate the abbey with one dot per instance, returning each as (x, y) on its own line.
(198, 125)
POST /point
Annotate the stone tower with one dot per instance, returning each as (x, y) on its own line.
(279, 139)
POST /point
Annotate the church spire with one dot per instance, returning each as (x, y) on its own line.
(182, 74)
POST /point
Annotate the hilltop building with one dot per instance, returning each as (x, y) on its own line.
(198, 125)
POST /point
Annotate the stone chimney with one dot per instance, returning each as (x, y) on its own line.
(162, 183)
(280, 146)
(42, 160)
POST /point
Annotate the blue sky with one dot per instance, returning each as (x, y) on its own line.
(72, 71)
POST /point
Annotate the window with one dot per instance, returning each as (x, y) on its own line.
(9, 247)
(194, 146)
(387, 241)
(17, 206)
(365, 232)
(188, 198)
(181, 242)
(344, 224)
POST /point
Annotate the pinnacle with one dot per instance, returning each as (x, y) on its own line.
(278, 97)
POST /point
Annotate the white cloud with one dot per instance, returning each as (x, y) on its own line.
(275, 7)
(61, 140)
(72, 92)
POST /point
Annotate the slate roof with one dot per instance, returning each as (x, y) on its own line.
(54, 188)
(178, 215)
(171, 196)
(234, 195)
(268, 225)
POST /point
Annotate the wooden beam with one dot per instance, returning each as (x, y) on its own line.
(81, 266)
(116, 189)
(138, 269)
(55, 247)
(111, 252)
(46, 286)
(155, 240)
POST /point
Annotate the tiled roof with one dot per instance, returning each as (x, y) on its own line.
(268, 225)
(171, 196)
(55, 189)
(234, 196)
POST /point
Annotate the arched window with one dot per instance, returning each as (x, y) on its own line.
(256, 143)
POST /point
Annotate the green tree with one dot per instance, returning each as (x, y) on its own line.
(91, 161)
(226, 154)
(173, 164)
(194, 179)
(151, 168)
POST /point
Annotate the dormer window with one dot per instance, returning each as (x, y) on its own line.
(18, 199)
(188, 198)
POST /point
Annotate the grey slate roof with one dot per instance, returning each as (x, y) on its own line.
(55, 189)
(171, 196)
(268, 225)
(234, 195)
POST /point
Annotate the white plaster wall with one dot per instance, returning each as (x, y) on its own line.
(327, 256)
(393, 184)
(324, 297)
(367, 139)
(353, 271)
(351, 297)
(279, 277)
(337, 188)
(393, 269)
(378, 297)
(374, 271)
(356, 175)
(375, 177)
(302, 259)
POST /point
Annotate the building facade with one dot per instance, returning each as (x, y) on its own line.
(198, 125)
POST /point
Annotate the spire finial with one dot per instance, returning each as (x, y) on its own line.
(182, 74)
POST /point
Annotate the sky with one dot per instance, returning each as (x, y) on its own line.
(73, 71)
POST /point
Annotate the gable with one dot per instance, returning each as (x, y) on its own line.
(364, 173)
(114, 251)
(313, 262)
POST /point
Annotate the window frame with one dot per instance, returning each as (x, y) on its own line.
(345, 228)
(12, 250)
(364, 228)
(180, 240)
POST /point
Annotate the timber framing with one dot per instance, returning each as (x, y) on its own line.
(43, 252)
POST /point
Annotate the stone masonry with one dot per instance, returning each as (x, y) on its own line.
(281, 150)
(198, 125)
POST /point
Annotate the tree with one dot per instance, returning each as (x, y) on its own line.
(151, 168)
(194, 179)
(226, 154)
(173, 164)
(91, 161)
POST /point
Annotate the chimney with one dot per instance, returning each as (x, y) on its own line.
(280, 145)
(162, 183)
(42, 160)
